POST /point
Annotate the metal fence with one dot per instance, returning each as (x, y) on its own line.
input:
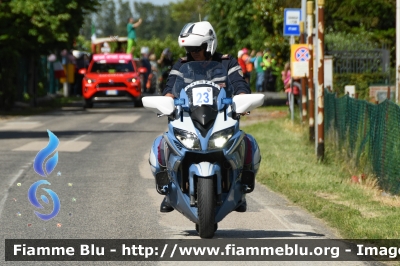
(369, 133)
(360, 61)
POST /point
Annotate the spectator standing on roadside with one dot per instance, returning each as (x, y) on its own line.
(153, 62)
(286, 78)
(248, 63)
(269, 68)
(153, 77)
(144, 59)
(166, 59)
(130, 27)
(242, 64)
(80, 63)
(275, 72)
(259, 71)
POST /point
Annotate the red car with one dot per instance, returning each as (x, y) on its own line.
(112, 77)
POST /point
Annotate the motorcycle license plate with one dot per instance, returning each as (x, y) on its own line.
(111, 92)
(202, 96)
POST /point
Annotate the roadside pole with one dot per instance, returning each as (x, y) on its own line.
(291, 27)
(291, 98)
(310, 11)
(303, 81)
(66, 85)
(321, 26)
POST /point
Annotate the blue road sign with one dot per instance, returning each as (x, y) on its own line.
(291, 22)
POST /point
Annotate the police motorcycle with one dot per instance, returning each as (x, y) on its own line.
(200, 164)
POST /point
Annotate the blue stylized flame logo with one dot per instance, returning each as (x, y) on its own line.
(44, 153)
(32, 198)
(45, 169)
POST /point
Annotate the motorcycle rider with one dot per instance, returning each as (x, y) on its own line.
(200, 41)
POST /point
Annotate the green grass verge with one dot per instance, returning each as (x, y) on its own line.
(289, 166)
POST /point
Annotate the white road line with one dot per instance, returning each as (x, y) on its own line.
(77, 138)
(120, 119)
(84, 135)
(3, 200)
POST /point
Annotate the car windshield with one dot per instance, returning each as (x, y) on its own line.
(99, 67)
(196, 74)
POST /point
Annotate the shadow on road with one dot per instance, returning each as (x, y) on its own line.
(240, 233)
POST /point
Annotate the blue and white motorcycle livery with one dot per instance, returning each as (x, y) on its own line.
(204, 164)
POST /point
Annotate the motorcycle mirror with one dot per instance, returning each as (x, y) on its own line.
(244, 103)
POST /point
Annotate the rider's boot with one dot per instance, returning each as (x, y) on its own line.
(158, 165)
(250, 168)
(165, 206)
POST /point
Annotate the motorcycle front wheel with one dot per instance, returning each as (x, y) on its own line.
(206, 206)
(215, 227)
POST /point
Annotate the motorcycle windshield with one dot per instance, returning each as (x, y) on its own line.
(197, 73)
(202, 82)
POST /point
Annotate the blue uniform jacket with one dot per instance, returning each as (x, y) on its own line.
(230, 63)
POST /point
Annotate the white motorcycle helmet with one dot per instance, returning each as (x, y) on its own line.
(198, 34)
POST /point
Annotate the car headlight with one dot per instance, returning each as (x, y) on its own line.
(189, 140)
(132, 80)
(90, 81)
(220, 138)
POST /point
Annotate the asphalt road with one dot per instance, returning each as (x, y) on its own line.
(106, 189)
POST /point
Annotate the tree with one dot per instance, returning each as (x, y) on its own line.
(106, 20)
(254, 24)
(35, 27)
(358, 16)
(189, 10)
(38, 26)
(157, 21)
(88, 26)
(124, 13)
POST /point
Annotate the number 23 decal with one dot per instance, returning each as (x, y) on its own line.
(202, 99)
(202, 96)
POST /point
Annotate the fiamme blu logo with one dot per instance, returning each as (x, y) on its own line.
(45, 162)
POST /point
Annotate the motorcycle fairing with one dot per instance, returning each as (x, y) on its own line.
(228, 159)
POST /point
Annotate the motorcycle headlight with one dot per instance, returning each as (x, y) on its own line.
(220, 138)
(188, 139)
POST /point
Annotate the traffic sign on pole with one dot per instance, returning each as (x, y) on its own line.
(291, 22)
(300, 55)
